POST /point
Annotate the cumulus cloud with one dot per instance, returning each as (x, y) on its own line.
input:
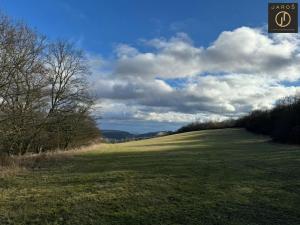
(244, 50)
(242, 70)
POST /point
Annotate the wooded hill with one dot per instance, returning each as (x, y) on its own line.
(282, 122)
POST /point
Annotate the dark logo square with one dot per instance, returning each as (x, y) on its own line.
(283, 18)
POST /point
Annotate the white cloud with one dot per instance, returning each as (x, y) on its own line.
(179, 117)
(240, 71)
(125, 51)
(244, 50)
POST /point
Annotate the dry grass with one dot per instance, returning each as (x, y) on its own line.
(228, 177)
(12, 165)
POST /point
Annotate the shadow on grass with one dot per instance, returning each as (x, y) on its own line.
(215, 177)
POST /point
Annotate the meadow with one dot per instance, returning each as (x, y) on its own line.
(215, 177)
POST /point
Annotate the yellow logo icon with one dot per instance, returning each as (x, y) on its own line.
(283, 19)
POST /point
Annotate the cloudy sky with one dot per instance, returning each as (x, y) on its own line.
(156, 66)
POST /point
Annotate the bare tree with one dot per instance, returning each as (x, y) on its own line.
(69, 99)
(44, 100)
(22, 80)
(67, 73)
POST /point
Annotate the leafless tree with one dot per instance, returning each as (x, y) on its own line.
(69, 99)
(44, 98)
(22, 80)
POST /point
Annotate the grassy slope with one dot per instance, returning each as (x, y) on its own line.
(211, 177)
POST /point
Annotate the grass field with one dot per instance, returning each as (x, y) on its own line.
(210, 177)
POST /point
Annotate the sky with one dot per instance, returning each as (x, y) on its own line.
(157, 65)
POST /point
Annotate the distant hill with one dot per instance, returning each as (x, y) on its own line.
(118, 135)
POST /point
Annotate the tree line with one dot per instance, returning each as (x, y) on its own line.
(281, 123)
(44, 99)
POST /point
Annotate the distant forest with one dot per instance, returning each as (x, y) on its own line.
(282, 123)
(44, 102)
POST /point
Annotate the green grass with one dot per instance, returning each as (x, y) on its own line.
(210, 177)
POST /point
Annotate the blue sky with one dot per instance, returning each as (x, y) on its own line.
(99, 25)
(160, 64)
